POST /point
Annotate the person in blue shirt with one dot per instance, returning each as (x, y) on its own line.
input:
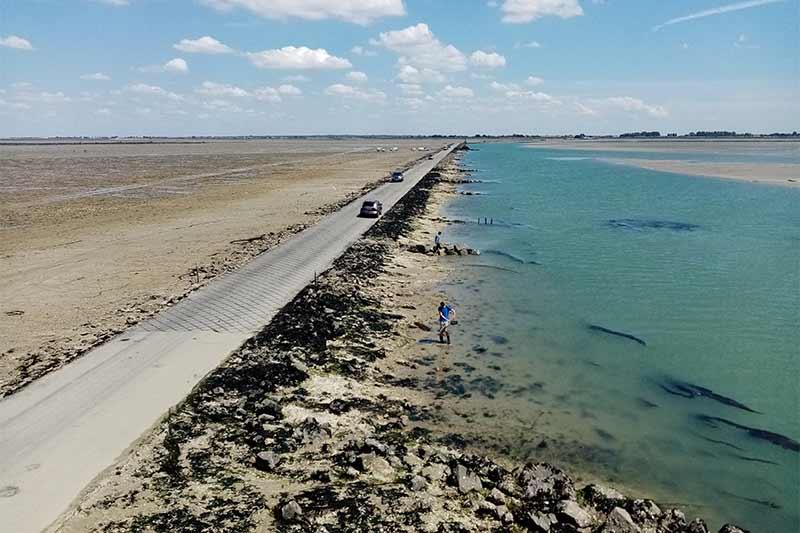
(446, 313)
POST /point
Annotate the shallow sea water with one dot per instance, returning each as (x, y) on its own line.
(705, 271)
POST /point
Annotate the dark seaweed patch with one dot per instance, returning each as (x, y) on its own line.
(644, 223)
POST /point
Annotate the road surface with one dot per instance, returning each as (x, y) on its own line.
(63, 430)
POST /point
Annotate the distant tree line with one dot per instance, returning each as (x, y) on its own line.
(637, 134)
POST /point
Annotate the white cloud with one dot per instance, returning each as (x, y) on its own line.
(103, 111)
(355, 11)
(456, 92)
(289, 90)
(222, 105)
(522, 11)
(44, 97)
(412, 103)
(584, 110)
(13, 41)
(504, 87)
(529, 44)
(348, 91)
(738, 6)
(744, 42)
(419, 47)
(483, 59)
(361, 51)
(116, 3)
(635, 105)
(411, 89)
(176, 65)
(534, 96)
(533, 81)
(13, 105)
(153, 90)
(409, 74)
(356, 76)
(210, 88)
(294, 57)
(203, 45)
(267, 94)
(297, 78)
(97, 76)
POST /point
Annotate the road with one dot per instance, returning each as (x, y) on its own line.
(63, 430)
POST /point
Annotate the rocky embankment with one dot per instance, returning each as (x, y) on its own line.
(300, 430)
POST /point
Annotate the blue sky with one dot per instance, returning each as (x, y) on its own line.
(234, 67)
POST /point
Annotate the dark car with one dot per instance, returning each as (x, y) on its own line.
(371, 208)
(397, 176)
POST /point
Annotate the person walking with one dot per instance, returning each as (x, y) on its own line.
(437, 242)
(446, 313)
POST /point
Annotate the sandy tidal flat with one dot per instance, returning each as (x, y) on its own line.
(770, 174)
(94, 237)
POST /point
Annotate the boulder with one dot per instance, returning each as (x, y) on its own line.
(267, 461)
(644, 511)
(540, 522)
(542, 481)
(696, 526)
(376, 467)
(467, 480)
(602, 497)
(730, 528)
(619, 521)
(435, 472)
(572, 513)
(418, 483)
(291, 512)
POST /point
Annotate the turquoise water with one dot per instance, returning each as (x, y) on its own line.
(717, 304)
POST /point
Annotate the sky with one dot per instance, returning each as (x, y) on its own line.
(301, 67)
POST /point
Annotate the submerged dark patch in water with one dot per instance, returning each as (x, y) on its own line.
(689, 390)
(512, 257)
(595, 327)
(645, 223)
(775, 438)
(765, 503)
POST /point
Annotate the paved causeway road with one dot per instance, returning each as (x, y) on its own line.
(60, 432)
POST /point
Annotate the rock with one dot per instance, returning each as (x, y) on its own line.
(467, 480)
(540, 522)
(418, 483)
(376, 467)
(412, 460)
(644, 510)
(673, 520)
(602, 497)
(292, 511)
(418, 249)
(542, 481)
(267, 461)
(375, 445)
(572, 513)
(696, 526)
(503, 514)
(730, 528)
(435, 472)
(619, 521)
(497, 496)
(423, 327)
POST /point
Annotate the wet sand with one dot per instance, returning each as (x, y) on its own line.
(95, 237)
